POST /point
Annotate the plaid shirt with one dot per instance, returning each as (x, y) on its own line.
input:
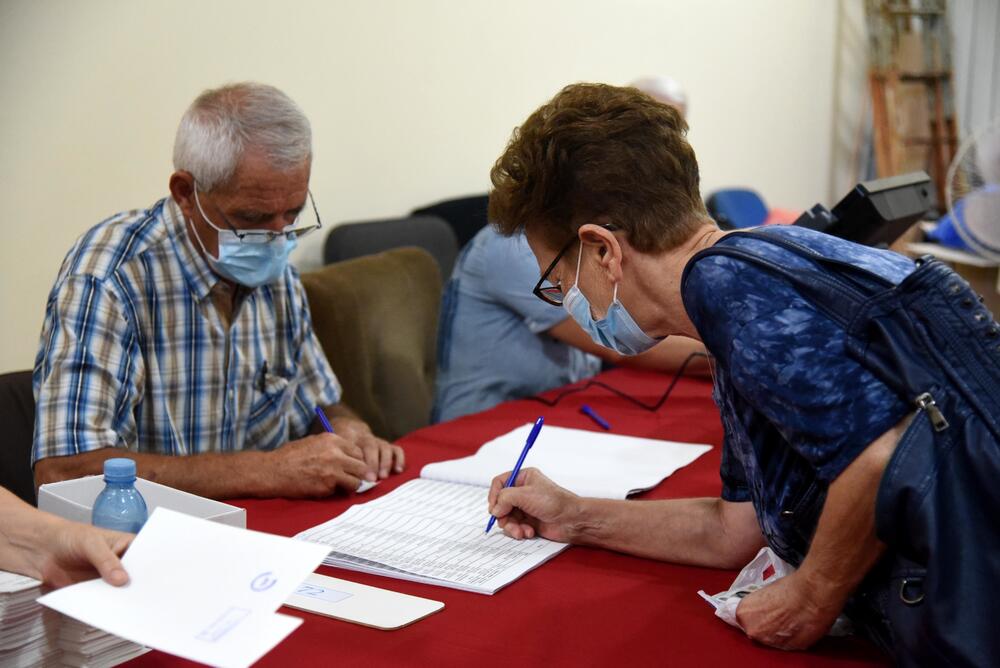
(135, 354)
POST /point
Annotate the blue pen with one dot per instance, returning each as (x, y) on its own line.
(592, 414)
(322, 419)
(364, 485)
(520, 460)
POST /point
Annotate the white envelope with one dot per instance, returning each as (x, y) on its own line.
(198, 589)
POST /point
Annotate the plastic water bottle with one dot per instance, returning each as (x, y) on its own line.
(119, 506)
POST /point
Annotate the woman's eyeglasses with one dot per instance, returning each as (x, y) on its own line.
(549, 292)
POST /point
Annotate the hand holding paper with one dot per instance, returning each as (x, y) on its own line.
(200, 590)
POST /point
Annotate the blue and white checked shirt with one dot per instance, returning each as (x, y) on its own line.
(135, 354)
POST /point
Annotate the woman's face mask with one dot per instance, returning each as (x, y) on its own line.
(617, 330)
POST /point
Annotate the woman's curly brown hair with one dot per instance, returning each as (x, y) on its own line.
(599, 152)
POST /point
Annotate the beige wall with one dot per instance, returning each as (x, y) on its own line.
(411, 101)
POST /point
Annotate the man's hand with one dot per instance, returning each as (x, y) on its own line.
(380, 456)
(788, 614)
(533, 506)
(316, 466)
(69, 552)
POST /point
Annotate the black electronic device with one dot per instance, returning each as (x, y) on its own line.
(874, 213)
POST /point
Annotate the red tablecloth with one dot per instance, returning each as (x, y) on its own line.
(585, 606)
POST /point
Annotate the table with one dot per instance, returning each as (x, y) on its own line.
(584, 607)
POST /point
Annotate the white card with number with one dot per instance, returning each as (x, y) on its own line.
(361, 604)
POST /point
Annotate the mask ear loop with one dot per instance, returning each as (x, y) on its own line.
(210, 223)
(198, 237)
(203, 214)
(579, 257)
(614, 295)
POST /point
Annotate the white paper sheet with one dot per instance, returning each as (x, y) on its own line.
(430, 531)
(201, 590)
(588, 463)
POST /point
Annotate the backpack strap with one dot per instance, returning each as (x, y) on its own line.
(838, 293)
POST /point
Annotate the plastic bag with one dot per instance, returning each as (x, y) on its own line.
(765, 568)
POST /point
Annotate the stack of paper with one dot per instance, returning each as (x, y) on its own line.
(432, 529)
(83, 645)
(27, 630)
(32, 635)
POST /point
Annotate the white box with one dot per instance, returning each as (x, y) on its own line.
(74, 500)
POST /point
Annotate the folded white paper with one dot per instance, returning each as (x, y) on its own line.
(588, 463)
(198, 589)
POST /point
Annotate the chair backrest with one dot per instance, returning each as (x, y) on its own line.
(466, 215)
(736, 208)
(351, 240)
(17, 424)
(376, 318)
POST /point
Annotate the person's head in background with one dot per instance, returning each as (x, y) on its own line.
(664, 89)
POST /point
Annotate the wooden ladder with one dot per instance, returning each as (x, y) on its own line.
(910, 79)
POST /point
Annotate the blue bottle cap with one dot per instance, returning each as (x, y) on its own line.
(119, 469)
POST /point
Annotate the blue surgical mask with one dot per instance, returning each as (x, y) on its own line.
(617, 330)
(253, 261)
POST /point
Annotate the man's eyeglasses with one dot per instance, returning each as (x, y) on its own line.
(294, 231)
(549, 292)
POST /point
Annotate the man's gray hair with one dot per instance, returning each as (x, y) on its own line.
(222, 123)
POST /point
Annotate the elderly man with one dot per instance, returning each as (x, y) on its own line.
(181, 334)
(858, 389)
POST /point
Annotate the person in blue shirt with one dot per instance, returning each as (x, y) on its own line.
(604, 186)
(497, 341)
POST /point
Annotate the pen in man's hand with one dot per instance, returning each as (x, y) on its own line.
(263, 377)
(321, 414)
(520, 460)
(364, 485)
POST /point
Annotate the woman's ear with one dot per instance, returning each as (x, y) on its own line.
(610, 250)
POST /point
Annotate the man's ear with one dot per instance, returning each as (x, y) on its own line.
(182, 190)
(610, 250)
